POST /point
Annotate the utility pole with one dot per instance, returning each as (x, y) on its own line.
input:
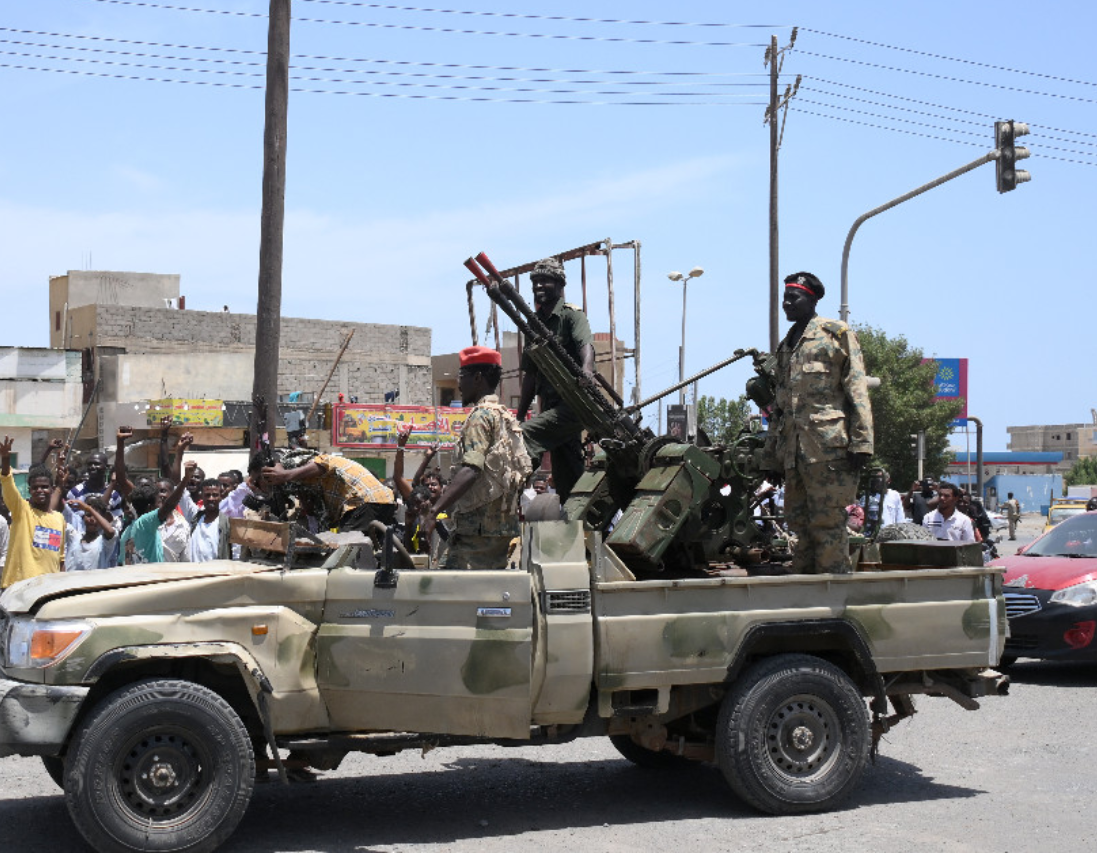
(268, 313)
(775, 59)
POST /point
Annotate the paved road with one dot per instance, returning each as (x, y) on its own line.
(1017, 775)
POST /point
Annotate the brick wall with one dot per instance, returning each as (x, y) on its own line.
(380, 358)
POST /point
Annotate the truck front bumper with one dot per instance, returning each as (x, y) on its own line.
(35, 719)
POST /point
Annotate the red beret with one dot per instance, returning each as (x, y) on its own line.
(480, 355)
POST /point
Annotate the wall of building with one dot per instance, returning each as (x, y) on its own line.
(1034, 492)
(1073, 440)
(104, 287)
(131, 377)
(379, 358)
(39, 388)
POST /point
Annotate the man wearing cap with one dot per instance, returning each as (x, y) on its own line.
(491, 465)
(820, 434)
(556, 429)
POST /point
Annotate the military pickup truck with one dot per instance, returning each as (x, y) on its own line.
(155, 694)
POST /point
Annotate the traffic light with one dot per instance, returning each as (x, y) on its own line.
(1006, 174)
(918, 444)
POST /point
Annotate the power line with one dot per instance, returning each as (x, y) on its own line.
(449, 30)
(945, 107)
(403, 95)
(240, 63)
(387, 61)
(532, 17)
(948, 78)
(911, 50)
(1039, 154)
(416, 84)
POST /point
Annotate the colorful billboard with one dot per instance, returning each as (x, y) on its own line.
(357, 425)
(198, 413)
(951, 384)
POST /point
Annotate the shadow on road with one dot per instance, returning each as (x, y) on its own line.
(1052, 673)
(470, 798)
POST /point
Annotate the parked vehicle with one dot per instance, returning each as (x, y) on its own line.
(1061, 509)
(1051, 593)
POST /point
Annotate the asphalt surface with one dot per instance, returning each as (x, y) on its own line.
(1017, 775)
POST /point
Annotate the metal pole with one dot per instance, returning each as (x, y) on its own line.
(974, 164)
(978, 454)
(774, 289)
(682, 350)
(268, 312)
(636, 315)
(612, 316)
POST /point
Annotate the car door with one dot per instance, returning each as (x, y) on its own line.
(440, 651)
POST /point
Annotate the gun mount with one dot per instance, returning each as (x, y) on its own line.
(683, 507)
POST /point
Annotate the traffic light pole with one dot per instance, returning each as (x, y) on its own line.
(990, 156)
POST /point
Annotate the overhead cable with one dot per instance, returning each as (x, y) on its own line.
(972, 62)
(449, 30)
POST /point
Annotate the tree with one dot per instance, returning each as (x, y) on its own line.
(1083, 472)
(903, 404)
(722, 419)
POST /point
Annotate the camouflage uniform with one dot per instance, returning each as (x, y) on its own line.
(556, 429)
(481, 532)
(821, 413)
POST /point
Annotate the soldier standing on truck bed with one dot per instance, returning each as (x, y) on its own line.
(820, 435)
(556, 429)
(492, 466)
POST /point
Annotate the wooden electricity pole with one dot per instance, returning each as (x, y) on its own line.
(775, 59)
(268, 313)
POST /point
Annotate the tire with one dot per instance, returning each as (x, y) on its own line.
(55, 766)
(160, 765)
(1007, 661)
(646, 758)
(793, 735)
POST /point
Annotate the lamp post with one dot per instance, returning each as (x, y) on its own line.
(696, 272)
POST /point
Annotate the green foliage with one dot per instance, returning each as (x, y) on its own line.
(902, 405)
(1083, 473)
(722, 419)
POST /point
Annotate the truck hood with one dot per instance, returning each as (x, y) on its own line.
(25, 596)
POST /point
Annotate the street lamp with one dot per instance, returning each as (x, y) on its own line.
(696, 272)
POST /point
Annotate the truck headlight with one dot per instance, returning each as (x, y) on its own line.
(34, 644)
(1079, 595)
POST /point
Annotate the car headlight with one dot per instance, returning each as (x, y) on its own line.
(34, 644)
(1079, 595)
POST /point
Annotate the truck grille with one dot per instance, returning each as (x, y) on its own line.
(1020, 604)
(567, 601)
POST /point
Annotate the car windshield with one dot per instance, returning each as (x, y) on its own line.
(1075, 537)
(1062, 513)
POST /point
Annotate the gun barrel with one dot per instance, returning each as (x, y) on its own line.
(739, 353)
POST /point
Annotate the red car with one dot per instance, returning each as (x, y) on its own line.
(1051, 594)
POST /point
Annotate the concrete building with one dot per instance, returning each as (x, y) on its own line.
(41, 392)
(136, 335)
(1072, 440)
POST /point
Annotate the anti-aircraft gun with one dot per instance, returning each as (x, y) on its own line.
(683, 507)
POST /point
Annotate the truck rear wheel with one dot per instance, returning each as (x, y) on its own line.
(793, 735)
(160, 765)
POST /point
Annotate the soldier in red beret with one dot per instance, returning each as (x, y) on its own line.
(492, 466)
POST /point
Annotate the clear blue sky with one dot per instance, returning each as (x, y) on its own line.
(387, 195)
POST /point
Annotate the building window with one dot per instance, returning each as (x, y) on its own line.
(57, 325)
(1068, 436)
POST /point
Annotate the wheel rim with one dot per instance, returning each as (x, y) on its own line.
(162, 775)
(803, 737)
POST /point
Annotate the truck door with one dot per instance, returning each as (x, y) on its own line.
(441, 651)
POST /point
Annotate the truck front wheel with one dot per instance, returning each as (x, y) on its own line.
(160, 765)
(793, 735)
